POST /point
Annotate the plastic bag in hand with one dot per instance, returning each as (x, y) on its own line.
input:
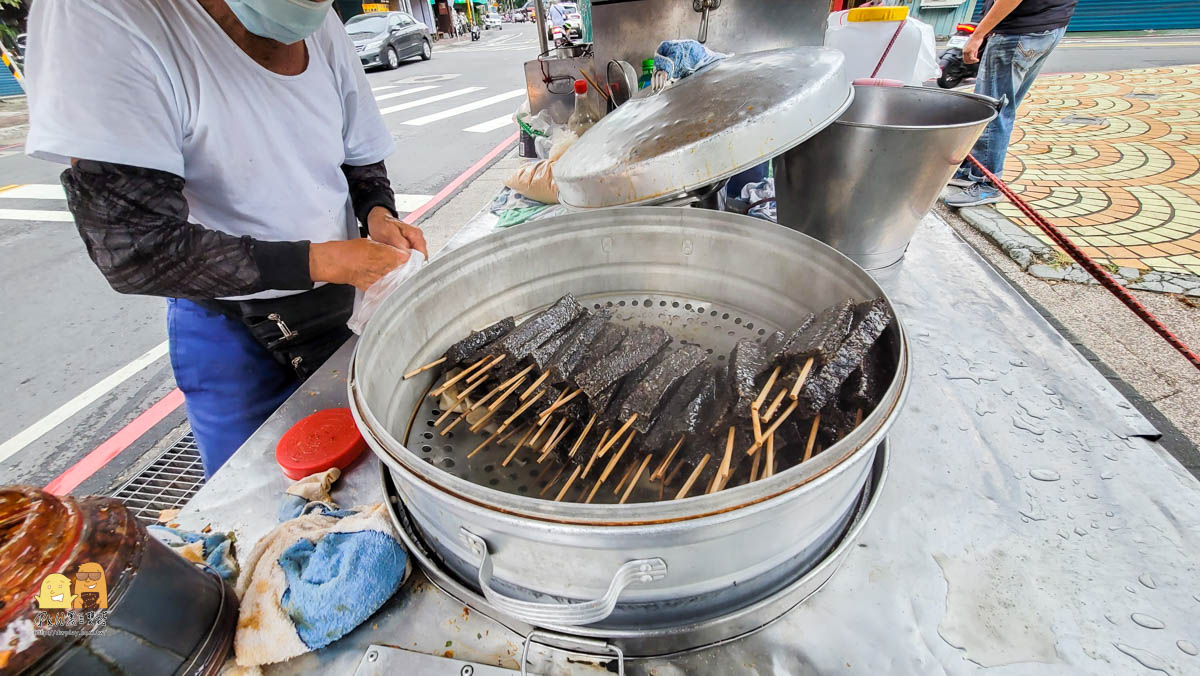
(366, 304)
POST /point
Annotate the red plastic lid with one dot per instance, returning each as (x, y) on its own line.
(581, 86)
(324, 439)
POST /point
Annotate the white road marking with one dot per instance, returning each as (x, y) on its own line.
(40, 191)
(36, 215)
(409, 203)
(87, 398)
(466, 108)
(430, 99)
(406, 92)
(491, 125)
(379, 89)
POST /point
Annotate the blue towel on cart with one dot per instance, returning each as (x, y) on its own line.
(214, 550)
(681, 58)
(315, 576)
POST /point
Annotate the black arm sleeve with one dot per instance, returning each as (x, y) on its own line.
(134, 224)
(369, 188)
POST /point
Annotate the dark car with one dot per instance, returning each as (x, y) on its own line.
(387, 38)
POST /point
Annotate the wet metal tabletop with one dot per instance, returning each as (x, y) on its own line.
(1030, 524)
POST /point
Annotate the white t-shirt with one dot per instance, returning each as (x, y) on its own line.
(158, 84)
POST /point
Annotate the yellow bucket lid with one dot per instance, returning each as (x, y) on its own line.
(897, 13)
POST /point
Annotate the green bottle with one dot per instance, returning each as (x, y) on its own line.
(647, 73)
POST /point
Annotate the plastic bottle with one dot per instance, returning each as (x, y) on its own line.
(584, 116)
(647, 74)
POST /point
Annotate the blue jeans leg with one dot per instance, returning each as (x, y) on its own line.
(1009, 66)
(230, 384)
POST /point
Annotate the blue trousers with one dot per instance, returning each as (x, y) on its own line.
(1007, 69)
(230, 384)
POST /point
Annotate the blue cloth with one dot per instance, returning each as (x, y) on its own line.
(681, 58)
(757, 174)
(1009, 65)
(230, 384)
(215, 548)
(337, 583)
(557, 15)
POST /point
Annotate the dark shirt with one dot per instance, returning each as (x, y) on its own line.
(1034, 16)
(134, 223)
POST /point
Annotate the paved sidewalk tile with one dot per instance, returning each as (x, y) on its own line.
(1114, 160)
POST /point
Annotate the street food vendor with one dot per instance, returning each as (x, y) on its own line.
(220, 153)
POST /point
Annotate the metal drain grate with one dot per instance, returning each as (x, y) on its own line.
(168, 482)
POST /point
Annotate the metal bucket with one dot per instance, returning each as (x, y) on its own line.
(864, 183)
(710, 277)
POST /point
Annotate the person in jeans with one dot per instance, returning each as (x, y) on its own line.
(1020, 35)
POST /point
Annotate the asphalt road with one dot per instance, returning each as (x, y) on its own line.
(68, 332)
(80, 362)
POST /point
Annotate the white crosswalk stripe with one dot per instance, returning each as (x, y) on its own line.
(44, 215)
(430, 99)
(406, 92)
(501, 45)
(490, 125)
(405, 203)
(465, 108)
(48, 191)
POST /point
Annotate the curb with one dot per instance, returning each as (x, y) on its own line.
(1043, 261)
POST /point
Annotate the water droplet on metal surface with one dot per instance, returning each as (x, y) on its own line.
(1080, 530)
(1093, 496)
(1107, 475)
(1044, 474)
(1022, 424)
(1144, 657)
(1147, 621)
(1108, 514)
(1147, 581)
(1019, 363)
(1007, 390)
(1187, 647)
(1064, 534)
(1110, 618)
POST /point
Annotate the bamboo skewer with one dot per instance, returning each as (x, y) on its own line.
(543, 475)
(858, 415)
(491, 411)
(611, 442)
(552, 481)
(554, 441)
(550, 439)
(754, 468)
(758, 433)
(769, 468)
(774, 405)
(587, 428)
(505, 395)
(657, 474)
(479, 424)
(634, 480)
(521, 410)
(558, 399)
(687, 486)
(519, 378)
(615, 459)
(812, 438)
(762, 396)
(517, 447)
(621, 483)
(483, 371)
(483, 445)
(447, 413)
(787, 412)
(454, 424)
(561, 401)
(800, 378)
(670, 478)
(595, 454)
(567, 486)
(537, 383)
(461, 374)
(422, 369)
(723, 471)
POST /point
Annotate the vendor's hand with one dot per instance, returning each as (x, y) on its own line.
(973, 48)
(388, 229)
(360, 262)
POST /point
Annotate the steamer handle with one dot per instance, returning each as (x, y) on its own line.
(640, 571)
(593, 648)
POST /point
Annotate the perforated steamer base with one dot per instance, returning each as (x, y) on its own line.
(714, 327)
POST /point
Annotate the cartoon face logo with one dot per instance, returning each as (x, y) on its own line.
(90, 587)
(55, 593)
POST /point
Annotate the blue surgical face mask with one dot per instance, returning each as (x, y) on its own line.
(286, 21)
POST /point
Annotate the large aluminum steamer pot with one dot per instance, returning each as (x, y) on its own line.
(633, 565)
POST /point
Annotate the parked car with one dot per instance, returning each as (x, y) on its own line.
(492, 21)
(387, 38)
